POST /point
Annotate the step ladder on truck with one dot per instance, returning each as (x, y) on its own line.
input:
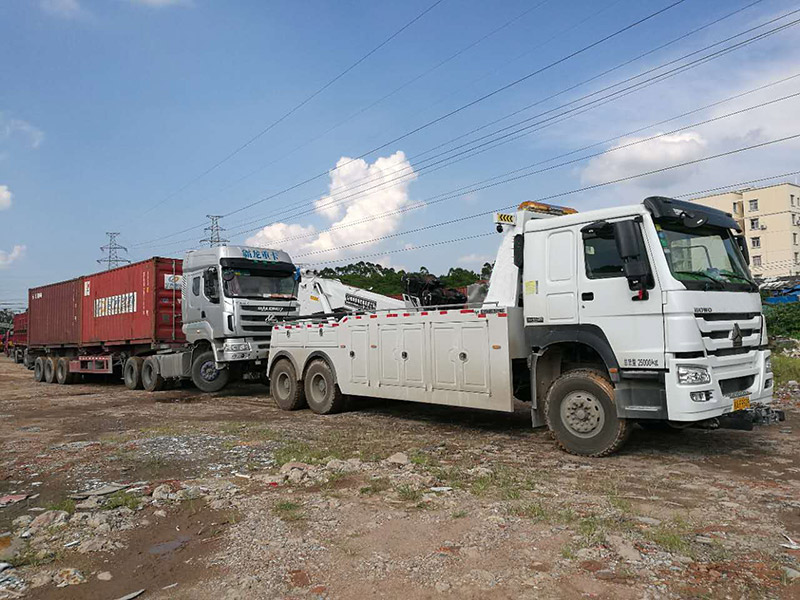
(599, 320)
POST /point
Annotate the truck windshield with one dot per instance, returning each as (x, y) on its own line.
(258, 284)
(704, 258)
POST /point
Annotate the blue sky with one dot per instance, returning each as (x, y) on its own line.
(109, 108)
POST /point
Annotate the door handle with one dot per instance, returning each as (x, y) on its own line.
(587, 296)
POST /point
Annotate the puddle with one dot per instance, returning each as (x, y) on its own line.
(172, 545)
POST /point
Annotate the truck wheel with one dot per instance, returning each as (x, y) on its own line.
(16, 356)
(132, 373)
(151, 378)
(322, 393)
(63, 376)
(582, 416)
(38, 369)
(284, 387)
(49, 369)
(205, 374)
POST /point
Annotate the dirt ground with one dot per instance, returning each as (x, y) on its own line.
(225, 497)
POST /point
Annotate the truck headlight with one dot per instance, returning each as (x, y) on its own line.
(768, 364)
(693, 375)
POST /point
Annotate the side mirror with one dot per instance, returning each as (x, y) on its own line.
(634, 258)
(297, 276)
(742, 243)
(210, 285)
(519, 248)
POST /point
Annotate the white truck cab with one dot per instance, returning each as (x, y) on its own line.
(639, 314)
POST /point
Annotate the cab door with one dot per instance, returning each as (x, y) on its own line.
(634, 328)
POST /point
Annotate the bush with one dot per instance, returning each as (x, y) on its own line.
(783, 319)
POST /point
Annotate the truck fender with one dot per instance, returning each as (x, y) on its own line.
(326, 358)
(540, 337)
(284, 354)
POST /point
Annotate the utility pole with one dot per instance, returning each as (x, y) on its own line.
(214, 230)
(112, 260)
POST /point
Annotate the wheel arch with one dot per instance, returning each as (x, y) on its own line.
(283, 354)
(324, 356)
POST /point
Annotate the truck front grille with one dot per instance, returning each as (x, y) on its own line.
(736, 384)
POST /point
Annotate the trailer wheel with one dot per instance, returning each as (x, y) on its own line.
(50, 369)
(132, 373)
(151, 378)
(205, 374)
(63, 376)
(38, 369)
(16, 356)
(322, 393)
(287, 392)
(582, 416)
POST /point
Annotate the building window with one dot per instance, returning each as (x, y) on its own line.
(756, 261)
(794, 239)
(791, 199)
(754, 224)
(796, 257)
(755, 242)
(753, 205)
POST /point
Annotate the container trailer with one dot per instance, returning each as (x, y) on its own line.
(17, 338)
(200, 318)
(636, 314)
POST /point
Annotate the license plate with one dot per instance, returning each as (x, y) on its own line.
(741, 403)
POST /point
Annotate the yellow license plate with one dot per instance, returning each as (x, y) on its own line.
(741, 403)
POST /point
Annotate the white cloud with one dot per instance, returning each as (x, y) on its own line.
(5, 197)
(475, 260)
(10, 127)
(357, 201)
(66, 9)
(647, 156)
(6, 258)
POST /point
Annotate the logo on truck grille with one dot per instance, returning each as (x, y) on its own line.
(736, 336)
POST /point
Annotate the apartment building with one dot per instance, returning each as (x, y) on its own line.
(770, 219)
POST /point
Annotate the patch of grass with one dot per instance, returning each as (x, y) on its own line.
(459, 514)
(376, 486)
(785, 368)
(304, 453)
(422, 459)
(332, 480)
(453, 476)
(28, 557)
(289, 511)
(535, 511)
(568, 552)
(408, 493)
(480, 486)
(591, 529)
(670, 536)
(67, 504)
(120, 499)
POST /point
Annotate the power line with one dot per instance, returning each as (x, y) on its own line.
(481, 185)
(392, 93)
(575, 111)
(295, 108)
(469, 104)
(112, 259)
(501, 208)
(567, 193)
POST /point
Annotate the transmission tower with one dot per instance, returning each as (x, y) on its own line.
(214, 230)
(112, 260)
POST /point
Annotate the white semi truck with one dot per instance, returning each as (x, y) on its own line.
(637, 314)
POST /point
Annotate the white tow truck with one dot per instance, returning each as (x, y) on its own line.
(637, 314)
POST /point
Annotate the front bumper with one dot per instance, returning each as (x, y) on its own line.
(728, 373)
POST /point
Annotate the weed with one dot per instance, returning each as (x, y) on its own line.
(459, 514)
(119, 499)
(531, 510)
(407, 493)
(670, 536)
(591, 528)
(67, 504)
(568, 552)
(28, 557)
(289, 511)
(423, 460)
(375, 486)
(481, 485)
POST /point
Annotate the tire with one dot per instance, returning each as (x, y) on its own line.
(205, 375)
(581, 414)
(132, 373)
(16, 356)
(63, 376)
(50, 369)
(38, 369)
(287, 392)
(322, 393)
(151, 378)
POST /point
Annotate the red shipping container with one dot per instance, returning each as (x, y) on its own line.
(20, 336)
(54, 314)
(134, 304)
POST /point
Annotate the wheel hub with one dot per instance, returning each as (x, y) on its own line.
(582, 414)
(209, 371)
(319, 387)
